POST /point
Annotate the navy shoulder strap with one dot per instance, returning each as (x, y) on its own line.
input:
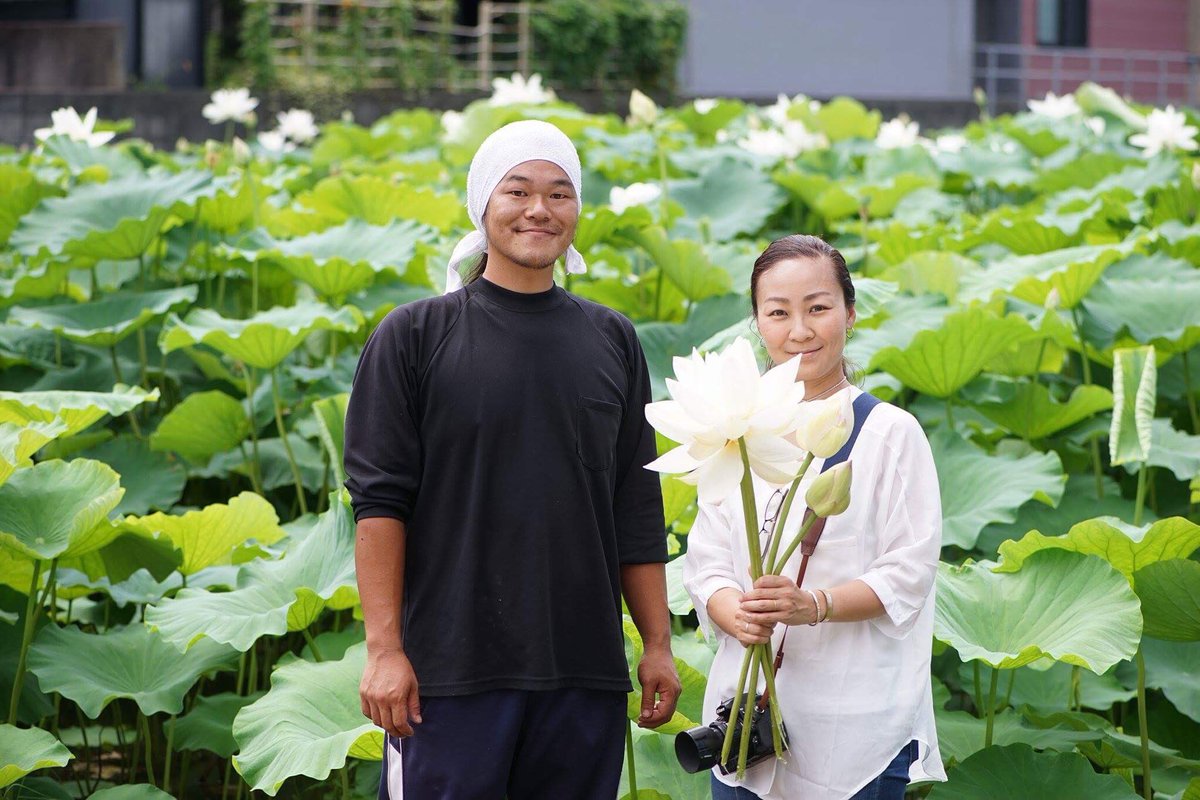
(863, 407)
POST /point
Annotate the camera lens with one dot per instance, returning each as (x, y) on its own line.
(699, 748)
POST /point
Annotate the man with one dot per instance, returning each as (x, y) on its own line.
(495, 444)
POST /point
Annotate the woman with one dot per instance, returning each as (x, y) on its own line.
(854, 688)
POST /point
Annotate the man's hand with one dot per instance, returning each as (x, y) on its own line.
(388, 692)
(656, 674)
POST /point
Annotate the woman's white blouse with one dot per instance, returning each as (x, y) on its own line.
(852, 693)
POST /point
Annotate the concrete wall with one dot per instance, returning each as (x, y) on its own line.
(874, 49)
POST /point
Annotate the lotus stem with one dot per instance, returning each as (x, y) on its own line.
(1076, 701)
(750, 513)
(183, 771)
(747, 717)
(166, 781)
(629, 759)
(865, 218)
(143, 359)
(991, 709)
(256, 469)
(1012, 679)
(1143, 725)
(1139, 503)
(251, 465)
(312, 644)
(781, 523)
(738, 696)
(116, 367)
(978, 689)
(146, 750)
(1037, 368)
(1191, 398)
(26, 638)
(768, 667)
(287, 448)
(950, 414)
(344, 777)
(796, 542)
(1086, 365)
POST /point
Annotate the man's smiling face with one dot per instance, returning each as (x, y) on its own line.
(531, 216)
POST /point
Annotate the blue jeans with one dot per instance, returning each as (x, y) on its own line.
(890, 784)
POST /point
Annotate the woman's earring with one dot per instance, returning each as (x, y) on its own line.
(754, 330)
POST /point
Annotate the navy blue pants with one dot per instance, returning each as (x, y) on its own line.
(519, 745)
(890, 784)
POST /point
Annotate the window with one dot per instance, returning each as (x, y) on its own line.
(1062, 23)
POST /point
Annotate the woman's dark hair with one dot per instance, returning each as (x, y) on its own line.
(800, 245)
(476, 271)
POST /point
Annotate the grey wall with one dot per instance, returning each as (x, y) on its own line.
(874, 49)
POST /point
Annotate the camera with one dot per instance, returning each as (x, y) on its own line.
(700, 748)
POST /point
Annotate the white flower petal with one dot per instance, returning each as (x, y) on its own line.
(720, 475)
(676, 460)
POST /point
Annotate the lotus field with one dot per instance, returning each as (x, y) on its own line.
(178, 609)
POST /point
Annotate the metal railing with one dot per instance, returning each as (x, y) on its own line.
(400, 43)
(1013, 73)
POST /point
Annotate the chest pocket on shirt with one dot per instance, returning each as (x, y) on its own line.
(597, 424)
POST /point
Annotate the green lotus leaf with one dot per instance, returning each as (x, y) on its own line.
(204, 424)
(330, 414)
(661, 341)
(344, 259)
(262, 341)
(1173, 450)
(932, 272)
(1125, 547)
(705, 126)
(684, 263)
(151, 480)
(81, 158)
(20, 192)
(1038, 135)
(1064, 606)
(377, 201)
(1171, 667)
(272, 596)
(19, 442)
(134, 791)
(77, 410)
(940, 362)
(1079, 503)
(38, 282)
(1082, 172)
(115, 220)
(129, 552)
(901, 319)
(132, 662)
(1028, 410)
(846, 118)
(231, 205)
(978, 488)
(1135, 381)
(657, 766)
(1153, 300)
(26, 750)
(961, 735)
(1016, 770)
(985, 165)
(209, 725)
(1026, 234)
(692, 680)
(105, 322)
(1050, 690)
(1170, 595)
(1179, 240)
(307, 724)
(1072, 272)
(275, 467)
(59, 509)
(838, 199)
(1096, 99)
(728, 199)
(1114, 750)
(208, 537)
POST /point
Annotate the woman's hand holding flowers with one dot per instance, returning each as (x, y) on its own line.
(775, 599)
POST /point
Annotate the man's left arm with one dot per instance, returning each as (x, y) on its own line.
(645, 590)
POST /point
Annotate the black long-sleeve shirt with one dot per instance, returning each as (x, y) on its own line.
(507, 431)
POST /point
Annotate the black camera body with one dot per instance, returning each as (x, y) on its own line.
(700, 748)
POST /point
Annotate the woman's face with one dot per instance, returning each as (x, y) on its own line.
(801, 310)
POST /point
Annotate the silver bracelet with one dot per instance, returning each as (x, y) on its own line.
(816, 607)
(828, 604)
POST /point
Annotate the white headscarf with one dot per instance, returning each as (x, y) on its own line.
(515, 143)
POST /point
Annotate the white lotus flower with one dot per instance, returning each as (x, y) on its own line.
(635, 194)
(230, 105)
(1055, 107)
(642, 110)
(778, 113)
(519, 91)
(297, 125)
(1166, 129)
(718, 399)
(823, 426)
(787, 142)
(453, 123)
(275, 142)
(66, 122)
(1096, 125)
(704, 105)
(950, 143)
(897, 133)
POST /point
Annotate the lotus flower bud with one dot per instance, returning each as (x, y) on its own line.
(829, 494)
(825, 425)
(241, 151)
(1052, 299)
(642, 110)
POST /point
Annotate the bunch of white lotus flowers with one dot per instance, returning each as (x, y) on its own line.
(731, 422)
